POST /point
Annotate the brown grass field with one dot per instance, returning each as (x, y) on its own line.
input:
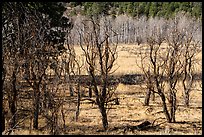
(131, 110)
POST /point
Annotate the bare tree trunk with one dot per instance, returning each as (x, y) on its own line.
(13, 100)
(54, 127)
(44, 96)
(3, 120)
(165, 110)
(63, 118)
(54, 123)
(71, 90)
(186, 98)
(90, 91)
(173, 106)
(153, 96)
(36, 108)
(187, 88)
(78, 101)
(2, 96)
(147, 97)
(104, 116)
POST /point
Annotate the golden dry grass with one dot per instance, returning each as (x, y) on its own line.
(131, 110)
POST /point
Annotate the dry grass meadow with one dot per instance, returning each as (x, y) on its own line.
(131, 110)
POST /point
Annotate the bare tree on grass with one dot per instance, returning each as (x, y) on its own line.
(190, 49)
(154, 35)
(100, 57)
(163, 67)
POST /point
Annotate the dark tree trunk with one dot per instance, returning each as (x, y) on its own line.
(165, 110)
(78, 102)
(13, 101)
(104, 117)
(2, 96)
(3, 121)
(90, 91)
(147, 97)
(36, 108)
(71, 90)
(186, 99)
(173, 107)
(63, 118)
(153, 96)
(45, 101)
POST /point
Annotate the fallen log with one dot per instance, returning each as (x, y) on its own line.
(144, 125)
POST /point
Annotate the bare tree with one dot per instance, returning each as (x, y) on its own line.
(100, 57)
(190, 48)
(12, 44)
(163, 66)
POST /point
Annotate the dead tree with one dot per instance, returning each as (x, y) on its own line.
(35, 65)
(12, 44)
(100, 57)
(155, 36)
(190, 48)
(163, 66)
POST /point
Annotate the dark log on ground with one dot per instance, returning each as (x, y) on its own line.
(143, 126)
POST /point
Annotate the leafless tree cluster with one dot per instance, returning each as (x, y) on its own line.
(169, 57)
(28, 51)
(128, 30)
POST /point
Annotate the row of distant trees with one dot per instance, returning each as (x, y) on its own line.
(137, 9)
(127, 30)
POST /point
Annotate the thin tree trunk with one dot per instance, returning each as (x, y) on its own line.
(36, 108)
(90, 91)
(153, 96)
(165, 110)
(63, 118)
(71, 90)
(186, 98)
(78, 102)
(147, 97)
(3, 120)
(173, 107)
(13, 101)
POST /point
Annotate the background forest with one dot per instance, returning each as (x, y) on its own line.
(137, 9)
